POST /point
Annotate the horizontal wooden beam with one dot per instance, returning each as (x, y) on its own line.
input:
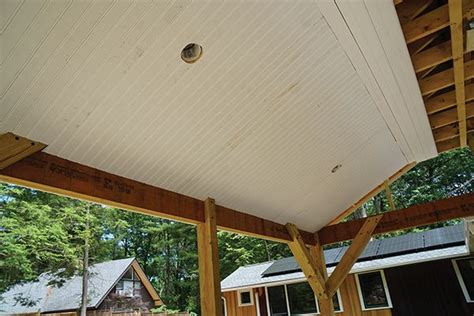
(53, 174)
(432, 56)
(431, 22)
(444, 79)
(447, 100)
(451, 131)
(14, 148)
(417, 46)
(410, 9)
(450, 116)
(454, 143)
(413, 216)
(371, 194)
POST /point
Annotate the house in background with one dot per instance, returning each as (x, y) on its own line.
(425, 273)
(118, 285)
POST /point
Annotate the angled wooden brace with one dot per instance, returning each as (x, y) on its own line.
(14, 148)
(350, 257)
(307, 262)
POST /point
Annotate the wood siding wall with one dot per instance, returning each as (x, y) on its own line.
(429, 288)
(232, 305)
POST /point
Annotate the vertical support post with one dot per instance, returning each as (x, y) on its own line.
(208, 258)
(326, 305)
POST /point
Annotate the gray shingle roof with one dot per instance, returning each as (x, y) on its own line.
(103, 276)
(434, 244)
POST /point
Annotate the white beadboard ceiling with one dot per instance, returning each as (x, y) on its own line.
(284, 91)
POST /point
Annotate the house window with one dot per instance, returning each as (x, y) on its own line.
(277, 303)
(464, 269)
(301, 299)
(129, 285)
(373, 291)
(336, 301)
(245, 298)
(224, 306)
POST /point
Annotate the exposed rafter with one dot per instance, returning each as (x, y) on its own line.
(14, 148)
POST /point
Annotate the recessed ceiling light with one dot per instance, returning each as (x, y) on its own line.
(191, 53)
(336, 168)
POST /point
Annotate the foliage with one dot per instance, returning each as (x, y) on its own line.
(42, 232)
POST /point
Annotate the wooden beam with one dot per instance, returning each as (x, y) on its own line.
(457, 40)
(371, 194)
(447, 100)
(208, 257)
(49, 173)
(451, 131)
(146, 283)
(450, 116)
(409, 10)
(306, 262)
(389, 195)
(14, 148)
(413, 216)
(317, 252)
(431, 57)
(453, 143)
(426, 24)
(350, 256)
(444, 79)
(431, 22)
(419, 45)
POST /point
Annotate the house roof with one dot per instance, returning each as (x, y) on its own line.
(411, 248)
(45, 298)
(266, 109)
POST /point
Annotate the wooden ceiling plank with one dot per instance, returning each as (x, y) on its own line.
(453, 143)
(409, 10)
(447, 100)
(371, 194)
(432, 57)
(457, 40)
(413, 216)
(450, 116)
(444, 79)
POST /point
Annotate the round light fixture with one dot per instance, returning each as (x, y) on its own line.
(191, 53)
(337, 167)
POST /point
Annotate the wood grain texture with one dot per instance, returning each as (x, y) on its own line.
(49, 173)
(233, 308)
(413, 216)
(449, 116)
(352, 254)
(444, 79)
(447, 100)
(208, 258)
(14, 148)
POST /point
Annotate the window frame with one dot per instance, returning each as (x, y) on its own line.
(385, 287)
(267, 299)
(224, 302)
(239, 298)
(460, 278)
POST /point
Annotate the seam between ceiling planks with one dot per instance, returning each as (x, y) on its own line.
(444, 71)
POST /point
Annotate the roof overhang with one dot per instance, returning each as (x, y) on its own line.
(259, 122)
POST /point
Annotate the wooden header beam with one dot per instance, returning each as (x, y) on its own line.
(49, 173)
(413, 216)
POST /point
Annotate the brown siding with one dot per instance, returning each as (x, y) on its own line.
(429, 288)
(232, 305)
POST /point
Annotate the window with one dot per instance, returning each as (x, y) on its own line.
(245, 298)
(336, 300)
(129, 285)
(277, 303)
(373, 291)
(301, 299)
(224, 306)
(464, 269)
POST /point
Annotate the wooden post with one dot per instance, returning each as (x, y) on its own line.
(326, 305)
(306, 261)
(209, 276)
